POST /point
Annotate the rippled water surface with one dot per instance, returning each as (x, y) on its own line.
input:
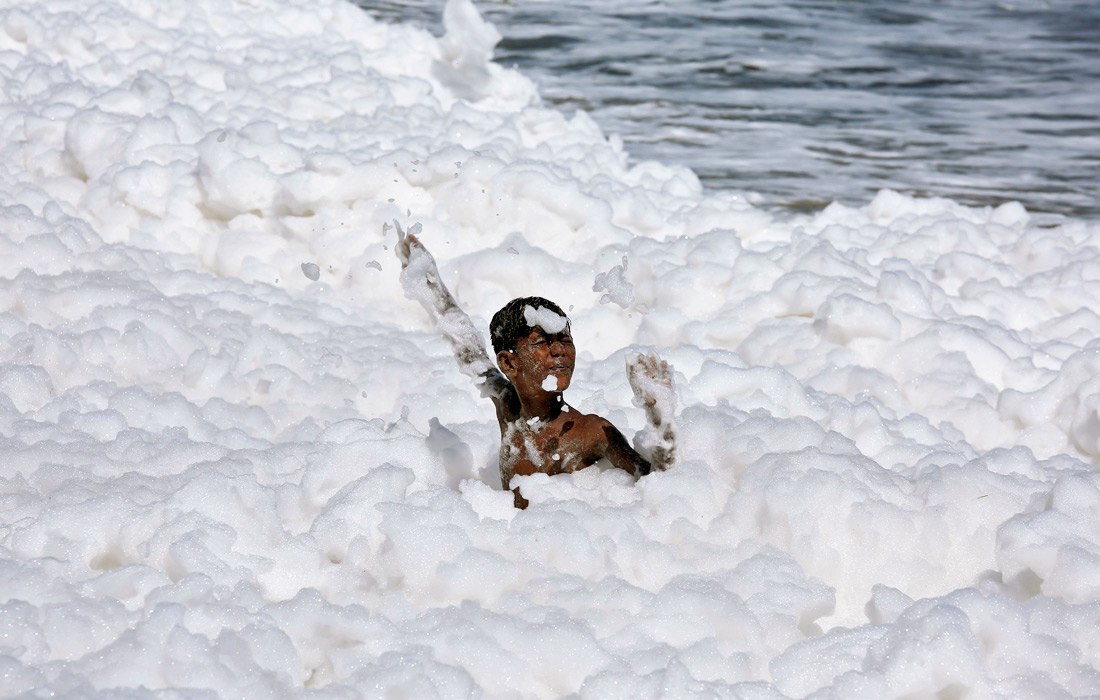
(811, 101)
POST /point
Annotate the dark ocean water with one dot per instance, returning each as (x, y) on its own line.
(810, 101)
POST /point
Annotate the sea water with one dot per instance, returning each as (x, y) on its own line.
(808, 101)
(236, 461)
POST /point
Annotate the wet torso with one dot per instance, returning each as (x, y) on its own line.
(568, 442)
(563, 443)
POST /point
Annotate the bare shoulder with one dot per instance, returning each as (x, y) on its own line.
(584, 421)
(592, 431)
(597, 437)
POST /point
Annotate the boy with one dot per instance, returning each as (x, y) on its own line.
(534, 349)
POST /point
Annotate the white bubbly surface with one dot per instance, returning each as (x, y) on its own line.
(221, 474)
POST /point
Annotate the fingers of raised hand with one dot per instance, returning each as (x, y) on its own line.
(657, 368)
(406, 244)
(650, 366)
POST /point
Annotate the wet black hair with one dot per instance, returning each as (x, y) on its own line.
(509, 324)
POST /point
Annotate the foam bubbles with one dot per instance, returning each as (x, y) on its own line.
(226, 471)
(544, 318)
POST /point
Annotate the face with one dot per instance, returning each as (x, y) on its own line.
(539, 355)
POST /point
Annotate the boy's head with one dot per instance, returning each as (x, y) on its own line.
(514, 321)
(533, 344)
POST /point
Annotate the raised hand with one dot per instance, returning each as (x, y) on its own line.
(407, 243)
(651, 380)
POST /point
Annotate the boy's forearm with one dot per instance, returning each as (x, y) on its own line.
(658, 443)
(473, 360)
(662, 440)
(422, 283)
(622, 455)
(662, 453)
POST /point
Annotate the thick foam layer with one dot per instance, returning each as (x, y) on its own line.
(238, 459)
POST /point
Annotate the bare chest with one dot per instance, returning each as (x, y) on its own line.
(557, 447)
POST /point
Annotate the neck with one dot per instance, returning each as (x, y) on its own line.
(544, 405)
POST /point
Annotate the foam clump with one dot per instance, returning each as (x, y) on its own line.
(615, 287)
(544, 318)
(225, 474)
(311, 271)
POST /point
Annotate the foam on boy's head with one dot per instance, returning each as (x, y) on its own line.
(543, 317)
(519, 316)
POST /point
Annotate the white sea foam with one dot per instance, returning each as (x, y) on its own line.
(220, 474)
(542, 317)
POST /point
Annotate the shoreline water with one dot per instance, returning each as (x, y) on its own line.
(807, 102)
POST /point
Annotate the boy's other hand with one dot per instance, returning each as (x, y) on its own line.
(407, 243)
(651, 380)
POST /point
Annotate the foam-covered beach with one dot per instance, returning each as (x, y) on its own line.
(235, 461)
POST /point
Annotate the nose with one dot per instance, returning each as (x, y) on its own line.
(557, 348)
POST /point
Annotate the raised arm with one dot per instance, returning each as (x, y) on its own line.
(421, 282)
(651, 379)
